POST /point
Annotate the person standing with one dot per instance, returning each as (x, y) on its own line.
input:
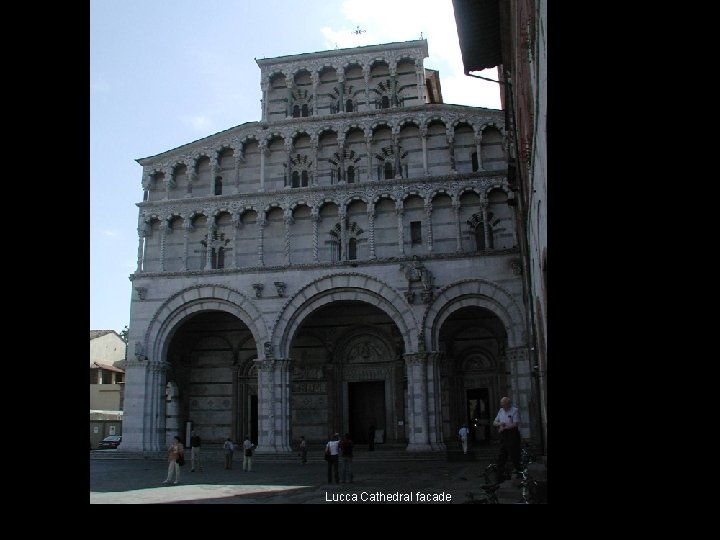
(247, 458)
(507, 421)
(195, 452)
(229, 447)
(346, 457)
(303, 450)
(332, 449)
(175, 451)
(463, 434)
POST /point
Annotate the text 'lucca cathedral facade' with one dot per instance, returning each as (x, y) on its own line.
(348, 261)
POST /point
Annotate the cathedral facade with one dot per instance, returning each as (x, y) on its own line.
(349, 263)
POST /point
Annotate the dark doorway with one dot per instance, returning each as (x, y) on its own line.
(367, 408)
(254, 419)
(478, 414)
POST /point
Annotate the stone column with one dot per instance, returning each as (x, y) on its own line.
(169, 183)
(143, 233)
(393, 84)
(371, 228)
(156, 405)
(400, 212)
(341, 161)
(486, 229)
(289, 220)
(263, 151)
(418, 434)
(451, 150)
(435, 419)
(288, 157)
(237, 227)
(420, 72)
(273, 406)
(315, 215)
(173, 413)
(396, 155)
(209, 239)
(315, 81)
(261, 222)
(164, 231)
(236, 396)
(423, 138)
(191, 178)
(314, 143)
(238, 159)
(428, 225)
(265, 86)
(341, 88)
(456, 211)
(289, 85)
(366, 76)
(135, 419)
(343, 233)
(368, 145)
(518, 364)
(215, 171)
(478, 149)
(187, 227)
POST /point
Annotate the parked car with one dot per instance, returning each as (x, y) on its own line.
(113, 441)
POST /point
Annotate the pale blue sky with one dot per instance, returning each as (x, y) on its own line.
(165, 73)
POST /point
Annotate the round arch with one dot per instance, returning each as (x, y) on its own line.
(479, 293)
(197, 299)
(344, 286)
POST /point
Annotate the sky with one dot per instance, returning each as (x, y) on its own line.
(163, 74)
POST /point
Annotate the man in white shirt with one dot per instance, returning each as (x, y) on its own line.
(463, 433)
(507, 421)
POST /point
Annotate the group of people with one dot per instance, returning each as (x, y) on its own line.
(176, 456)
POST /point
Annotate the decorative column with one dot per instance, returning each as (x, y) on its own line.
(451, 149)
(281, 400)
(478, 149)
(371, 228)
(289, 85)
(434, 404)
(341, 88)
(456, 211)
(191, 178)
(315, 216)
(208, 253)
(396, 155)
(428, 226)
(343, 233)
(314, 143)
(261, 221)
(239, 157)
(173, 413)
(266, 415)
(164, 231)
(135, 419)
(417, 396)
(237, 227)
(400, 212)
(143, 233)
(486, 229)
(156, 405)
(169, 182)
(263, 151)
(393, 84)
(423, 139)
(420, 72)
(368, 145)
(315, 81)
(288, 167)
(187, 227)
(289, 220)
(215, 171)
(341, 161)
(264, 85)
(366, 76)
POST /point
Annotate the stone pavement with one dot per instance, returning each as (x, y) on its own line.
(139, 481)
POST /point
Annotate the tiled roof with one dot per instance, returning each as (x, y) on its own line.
(107, 367)
(98, 333)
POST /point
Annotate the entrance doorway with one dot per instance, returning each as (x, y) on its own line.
(367, 408)
(478, 414)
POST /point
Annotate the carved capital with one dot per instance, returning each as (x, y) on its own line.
(141, 292)
(280, 288)
(258, 289)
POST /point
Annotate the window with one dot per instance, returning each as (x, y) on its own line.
(349, 106)
(416, 232)
(305, 110)
(474, 162)
(385, 102)
(304, 179)
(388, 171)
(351, 174)
(106, 376)
(218, 258)
(296, 111)
(295, 179)
(218, 185)
(339, 174)
(352, 249)
(480, 237)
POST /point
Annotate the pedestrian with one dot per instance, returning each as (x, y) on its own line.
(229, 447)
(247, 458)
(463, 434)
(346, 457)
(195, 452)
(507, 421)
(303, 450)
(175, 452)
(371, 438)
(332, 449)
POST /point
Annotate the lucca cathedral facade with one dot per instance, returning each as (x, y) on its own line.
(349, 261)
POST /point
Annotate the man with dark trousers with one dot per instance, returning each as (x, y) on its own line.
(195, 452)
(507, 421)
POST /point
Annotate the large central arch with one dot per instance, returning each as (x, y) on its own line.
(339, 287)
